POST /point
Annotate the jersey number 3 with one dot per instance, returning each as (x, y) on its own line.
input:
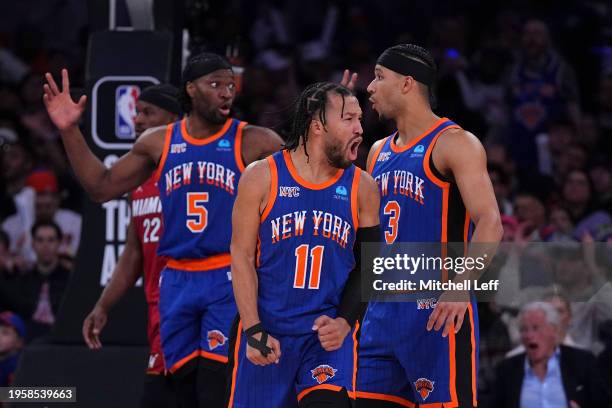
(197, 213)
(392, 208)
(301, 264)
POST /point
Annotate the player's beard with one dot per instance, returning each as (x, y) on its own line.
(335, 155)
(211, 115)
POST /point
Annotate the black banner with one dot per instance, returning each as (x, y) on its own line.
(119, 66)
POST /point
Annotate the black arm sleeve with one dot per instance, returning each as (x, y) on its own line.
(351, 307)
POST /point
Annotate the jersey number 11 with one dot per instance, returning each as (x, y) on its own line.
(301, 265)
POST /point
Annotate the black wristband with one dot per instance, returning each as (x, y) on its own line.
(261, 344)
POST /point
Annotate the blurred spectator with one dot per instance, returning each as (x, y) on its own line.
(601, 177)
(498, 154)
(46, 208)
(501, 187)
(542, 86)
(572, 158)
(17, 162)
(563, 227)
(551, 145)
(588, 292)
(482, 87)
(548, 375)
(597, 226)
(12, 69)
(531, 214)
(577, 195)
(38, 292)
(269, 27)
(563, 308)
(12, 340)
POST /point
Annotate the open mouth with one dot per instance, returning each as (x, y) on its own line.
(354, 148)
(225, 109)
(532, 347)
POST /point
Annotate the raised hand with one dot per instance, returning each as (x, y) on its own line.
(63, 111)
(349, 79)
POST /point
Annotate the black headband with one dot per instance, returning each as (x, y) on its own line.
(164, 96)
(204, 64)
(407, 66)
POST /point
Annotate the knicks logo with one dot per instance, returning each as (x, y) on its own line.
(323, 373)
(424, 387)
(215, 339)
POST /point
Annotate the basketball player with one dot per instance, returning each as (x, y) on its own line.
(197, 163)
(297, 220)
(157, 105)
(433, 181)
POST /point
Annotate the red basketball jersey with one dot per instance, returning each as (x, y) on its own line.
(147, 218)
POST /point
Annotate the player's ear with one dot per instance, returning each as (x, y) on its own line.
(316, 127)
(407, 84)
(190, 87)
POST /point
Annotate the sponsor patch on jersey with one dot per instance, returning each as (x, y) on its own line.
(289, 191)
(418, 151)
(215, 339)
(341, 193)
(224, 145)
(424, 387)
(323, 372)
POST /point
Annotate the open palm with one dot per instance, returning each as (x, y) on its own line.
(63, 111)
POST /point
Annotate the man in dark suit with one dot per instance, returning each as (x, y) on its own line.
(548, 375)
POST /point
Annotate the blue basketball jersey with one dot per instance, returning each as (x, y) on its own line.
(305, 248)
(417, 204)
(198, 181)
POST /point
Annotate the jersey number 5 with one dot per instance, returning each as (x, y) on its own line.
(301, 264)
(196, 209)
(392, 208)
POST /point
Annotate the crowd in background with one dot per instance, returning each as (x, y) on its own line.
(531, 79)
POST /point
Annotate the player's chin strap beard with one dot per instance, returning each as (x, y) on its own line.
(260, 344)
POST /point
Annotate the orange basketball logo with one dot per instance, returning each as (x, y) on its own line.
(215, 339)
(323, 373)
(424, 387)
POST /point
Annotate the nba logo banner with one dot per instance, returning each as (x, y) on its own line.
(113, 110)
(125, 111)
